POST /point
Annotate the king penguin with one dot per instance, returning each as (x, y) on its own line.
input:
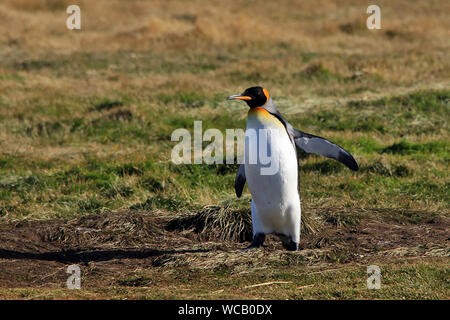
(275, 206)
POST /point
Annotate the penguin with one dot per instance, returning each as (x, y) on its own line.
(275, 205)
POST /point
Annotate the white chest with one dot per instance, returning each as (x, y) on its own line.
(271, 166)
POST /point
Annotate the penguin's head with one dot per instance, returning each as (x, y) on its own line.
(254, 96)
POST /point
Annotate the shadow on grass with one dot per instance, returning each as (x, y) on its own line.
(83, 256)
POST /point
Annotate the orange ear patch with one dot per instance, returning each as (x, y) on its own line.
(266, 93)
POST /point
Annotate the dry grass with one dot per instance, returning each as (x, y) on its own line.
(218, 223)
(111, 230)
(86, 118)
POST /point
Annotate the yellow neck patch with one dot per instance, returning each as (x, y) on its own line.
(266, 93)
(258, 110)
(261, 115)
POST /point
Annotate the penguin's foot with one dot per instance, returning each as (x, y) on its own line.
(258, 241)
(291, 245)
(287, 242)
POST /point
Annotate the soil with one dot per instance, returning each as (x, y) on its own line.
(108, 245)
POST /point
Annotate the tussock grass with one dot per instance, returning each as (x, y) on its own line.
(217, 223)
(228, 223)
(118, 229)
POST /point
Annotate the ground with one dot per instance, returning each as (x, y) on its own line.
(141, 255)
(85, 171)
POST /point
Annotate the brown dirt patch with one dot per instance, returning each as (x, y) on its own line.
(36, 253)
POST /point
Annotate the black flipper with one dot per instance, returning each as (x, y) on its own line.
(318, 145)
(314, 144)
(239, 183)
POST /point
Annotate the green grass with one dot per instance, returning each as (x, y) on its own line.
(387, 170)
(413, 279)
(422, 112)
(86, 130)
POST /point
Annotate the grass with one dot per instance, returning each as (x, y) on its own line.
(86, 119)
(421, 279)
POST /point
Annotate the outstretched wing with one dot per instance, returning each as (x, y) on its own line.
(239, 183)
(318, 145)
(314, 144)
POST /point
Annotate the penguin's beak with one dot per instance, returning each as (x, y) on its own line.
(239, 97)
